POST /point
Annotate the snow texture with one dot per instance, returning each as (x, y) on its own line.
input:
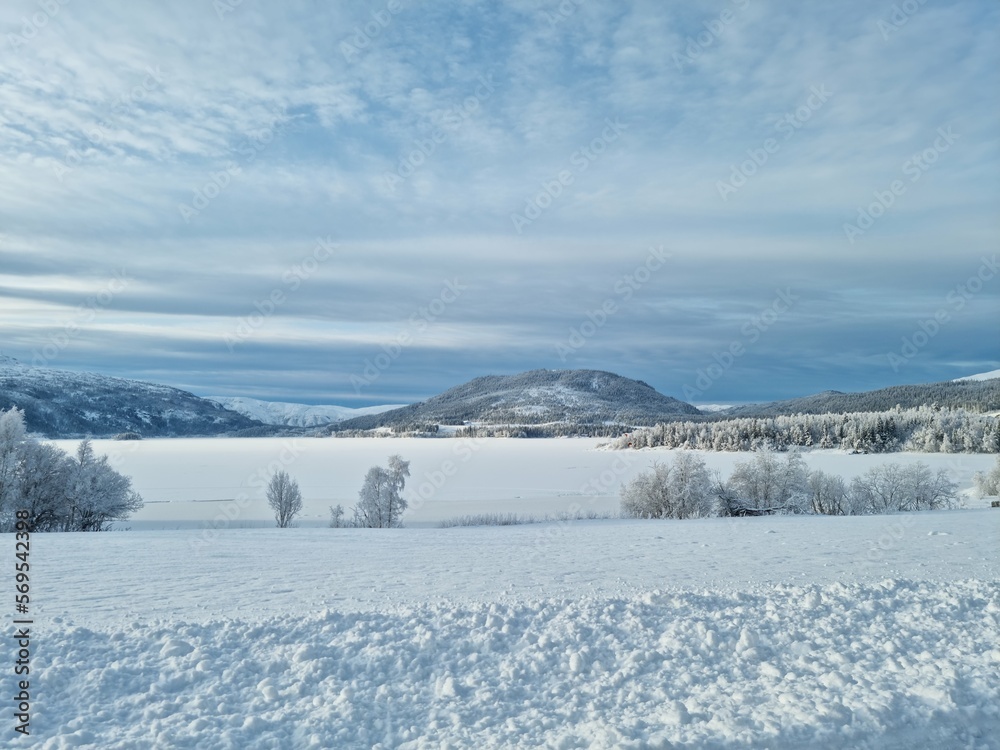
(787, 632)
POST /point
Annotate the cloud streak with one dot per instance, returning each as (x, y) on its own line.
(413, 150)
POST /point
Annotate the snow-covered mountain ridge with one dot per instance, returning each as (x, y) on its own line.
(991, 375)
(295, 415)
(60, 403)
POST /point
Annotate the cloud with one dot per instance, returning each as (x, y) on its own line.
(207, 155)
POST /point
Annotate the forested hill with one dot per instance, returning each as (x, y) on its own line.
(537, 397)
(62, 404)
(973, 395)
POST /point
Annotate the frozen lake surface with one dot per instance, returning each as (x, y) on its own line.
(193, 482)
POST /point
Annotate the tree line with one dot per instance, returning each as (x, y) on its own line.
(778, 484)
(926, 429)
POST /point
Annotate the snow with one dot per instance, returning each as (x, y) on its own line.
(258, 573)
(192, 481)
(992, 375)
(775, 632)
(295, 415)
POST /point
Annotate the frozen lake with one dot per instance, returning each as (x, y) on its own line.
(194, 482)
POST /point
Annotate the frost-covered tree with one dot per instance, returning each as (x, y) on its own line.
(380, 501)
(691, 486)
(682, 489)
(889, 488)
(647, 495)
(12, 438)
(46, 475)
(284, 497)
(337, 517)
(829, 495)
(768, 484)
(99, 495)
(924, 429)
(988, 483)
(59, 493)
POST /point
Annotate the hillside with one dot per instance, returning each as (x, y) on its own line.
(295, 415)
(537, 397)
(62, 404)
(974, 395)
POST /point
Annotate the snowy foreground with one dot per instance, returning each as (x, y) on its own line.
(792, 632)
(199, 629)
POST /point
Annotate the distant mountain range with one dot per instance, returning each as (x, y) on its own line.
(61, 404)
(976, 393)
(295, 415)
(537, 397)
(68, 404)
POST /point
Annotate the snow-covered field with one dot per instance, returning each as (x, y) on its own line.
(781, 632)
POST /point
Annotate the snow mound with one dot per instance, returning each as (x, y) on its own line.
(895, 664)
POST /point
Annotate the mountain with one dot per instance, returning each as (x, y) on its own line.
(537, 397)
(295, 415)
(61, 404)
(972, 394)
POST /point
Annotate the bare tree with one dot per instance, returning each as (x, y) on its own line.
(284, 498)
(380, 502)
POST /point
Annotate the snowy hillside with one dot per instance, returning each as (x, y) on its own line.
(295, 415)
(538, 397)
(58, 403)
(991, 375)
(714, 408)
(978, 394)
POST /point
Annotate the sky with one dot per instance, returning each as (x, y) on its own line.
(370, 202)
